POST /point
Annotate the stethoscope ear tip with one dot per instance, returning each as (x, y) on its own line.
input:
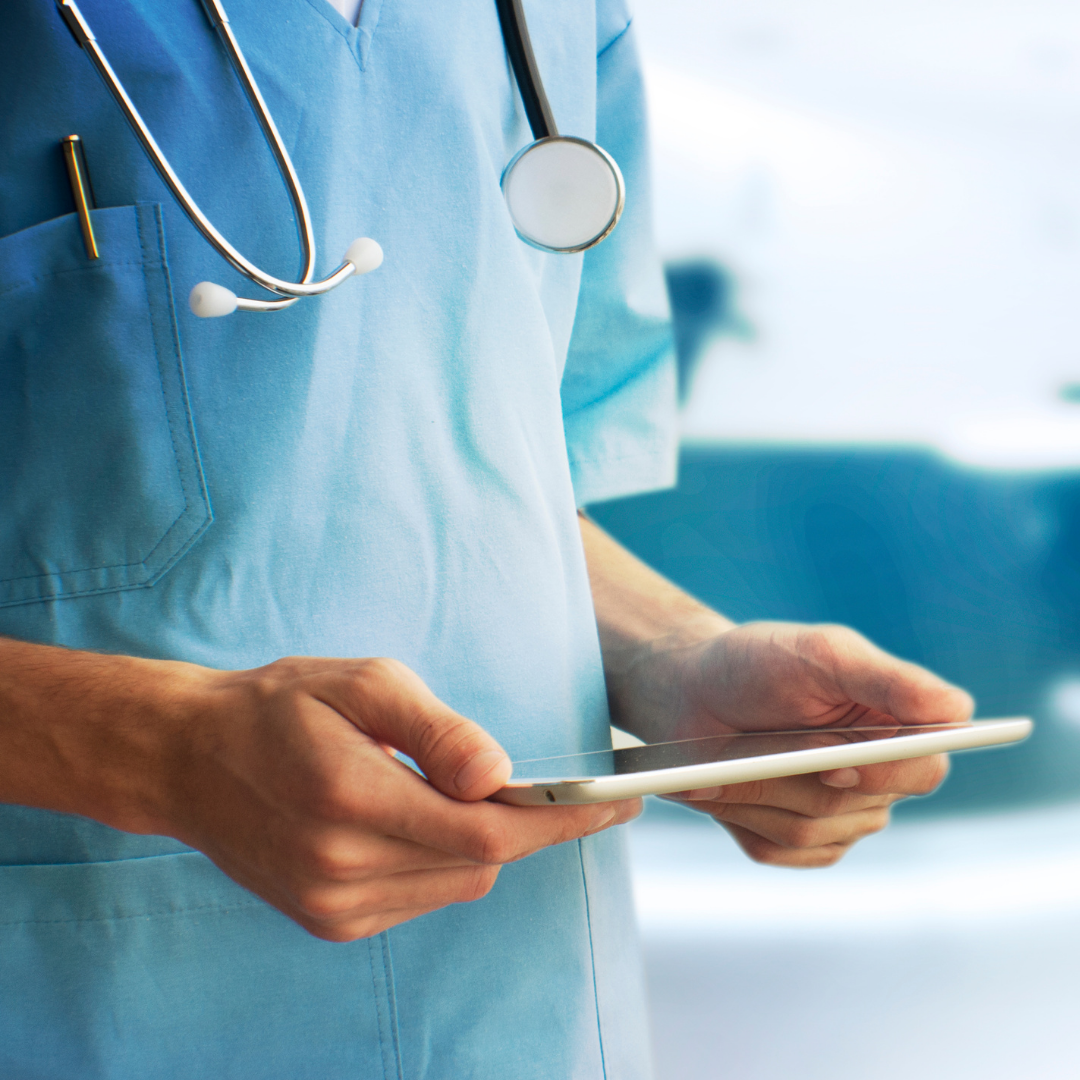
(210, 301)
(365, 254)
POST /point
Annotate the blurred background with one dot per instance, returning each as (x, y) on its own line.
(870, 215)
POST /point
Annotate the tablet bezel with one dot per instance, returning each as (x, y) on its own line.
(561, 791)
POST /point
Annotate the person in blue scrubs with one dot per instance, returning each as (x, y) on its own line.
(242, 558)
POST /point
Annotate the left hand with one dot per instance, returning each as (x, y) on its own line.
(772, 676)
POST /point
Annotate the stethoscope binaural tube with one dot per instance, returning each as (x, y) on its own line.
(207, 299)
(564, 194)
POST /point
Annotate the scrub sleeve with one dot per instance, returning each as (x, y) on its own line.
(389, 470)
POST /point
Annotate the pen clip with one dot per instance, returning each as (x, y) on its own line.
(82, 192)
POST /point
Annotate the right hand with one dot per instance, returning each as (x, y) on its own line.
(281, 776)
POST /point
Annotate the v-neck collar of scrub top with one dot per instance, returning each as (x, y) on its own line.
(349, 10)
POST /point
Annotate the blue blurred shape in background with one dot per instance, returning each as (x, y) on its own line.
(702, 294)
(974, 574)
(888, 194)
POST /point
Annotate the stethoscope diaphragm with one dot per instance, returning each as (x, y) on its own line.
(564, 194)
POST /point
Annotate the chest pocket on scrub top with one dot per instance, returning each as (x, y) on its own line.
(101, 488)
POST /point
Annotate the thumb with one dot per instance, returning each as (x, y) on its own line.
(393, 705)
(458, 756)
(905, 691)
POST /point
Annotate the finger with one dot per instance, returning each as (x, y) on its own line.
(840, 778)
(764, 851)
(345, 854)
(915, 776)
(354, 855)
(362, 787)
(499, 834)
(340, 905)
(270, 888)
(872, 677)
(397, 802)
(348, 916)
(393, 705)
(788, 830)
(364, 926)
(343, 910)
(800, 794)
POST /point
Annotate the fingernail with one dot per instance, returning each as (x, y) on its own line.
(477, 767)
(841, 778)
(703, 794)
(603, 822)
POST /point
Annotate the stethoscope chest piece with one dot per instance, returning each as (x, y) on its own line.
(564, 194)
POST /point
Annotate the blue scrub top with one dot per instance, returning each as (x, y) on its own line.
(392, 469)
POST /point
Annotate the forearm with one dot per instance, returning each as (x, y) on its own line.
(81, 732)
(638, 612)
(634, 604)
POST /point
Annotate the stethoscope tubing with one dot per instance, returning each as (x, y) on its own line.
(515, 32)
(84, 37)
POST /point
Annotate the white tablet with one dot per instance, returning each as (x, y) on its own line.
(661, 768)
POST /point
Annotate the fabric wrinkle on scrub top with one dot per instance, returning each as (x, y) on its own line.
(389, 470)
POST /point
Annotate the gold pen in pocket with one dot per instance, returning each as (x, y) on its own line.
(75, 159)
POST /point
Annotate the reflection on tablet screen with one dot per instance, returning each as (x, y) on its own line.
(637, 759)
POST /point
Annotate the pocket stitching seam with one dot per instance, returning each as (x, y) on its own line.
(22, 283)
(151, 260)
(145, 263)
(136, 915)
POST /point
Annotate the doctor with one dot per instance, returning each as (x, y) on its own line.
(209, 865)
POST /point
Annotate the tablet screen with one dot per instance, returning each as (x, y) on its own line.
(668, 755)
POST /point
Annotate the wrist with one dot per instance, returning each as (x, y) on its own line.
(659, 635)
(650, 680)
(93, 734)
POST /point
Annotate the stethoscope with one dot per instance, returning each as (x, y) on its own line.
(564, 194)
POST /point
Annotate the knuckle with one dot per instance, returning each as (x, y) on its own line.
(335, 798)
(937, 772)
(875, 783)
(280, 681)
(828, 856)
(491, 845)
(751, 792)
(803, 833)
(377, 675)
(762, 851)
(338, 935)
(820, 642)
(266, 684)
(477, 884)
(435, 738)
(442, 738)
(329, 860)
(383, 668)
(919, 776)
(342, 933)
(283, 668)
(831, 803)
(323, 905)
